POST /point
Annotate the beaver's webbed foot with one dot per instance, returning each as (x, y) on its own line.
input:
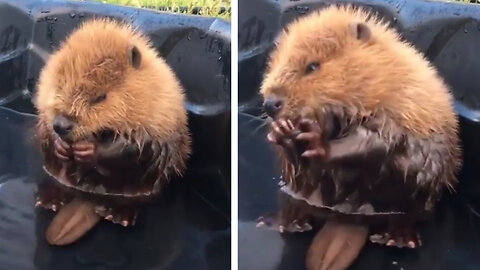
(123, 215)
(277, 223)
(293, 216)
(51, 197)
(398, 236)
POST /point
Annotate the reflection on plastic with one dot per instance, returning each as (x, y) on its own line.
(178, 231)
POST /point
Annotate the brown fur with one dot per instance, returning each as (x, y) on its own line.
(384, 72)
(96, 59)
(381, 74)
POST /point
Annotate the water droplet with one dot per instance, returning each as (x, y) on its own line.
(81, 15)
(302, 9)
(189, 37)
(465, 31)
(26, 93)
(204, 35)
(45, 11)
(72, 15)
(394, 263)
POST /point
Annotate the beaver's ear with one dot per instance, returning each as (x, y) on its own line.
(135, 56)
(361, 31)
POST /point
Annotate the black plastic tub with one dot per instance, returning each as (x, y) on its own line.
(186, 228)
(449, 34)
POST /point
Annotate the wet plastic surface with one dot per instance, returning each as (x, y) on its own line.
(184, 229)
(450, 240)
(188, 227)
(448, 33)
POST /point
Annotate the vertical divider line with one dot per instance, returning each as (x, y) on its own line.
(234, 129)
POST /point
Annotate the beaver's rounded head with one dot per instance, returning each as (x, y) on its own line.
(344, 56)
(106, 75)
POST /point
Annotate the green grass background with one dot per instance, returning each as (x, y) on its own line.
(213, 8)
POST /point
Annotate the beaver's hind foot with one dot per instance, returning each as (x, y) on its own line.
(125, 216)
(51, 197)
(398, 237)
(274, 222)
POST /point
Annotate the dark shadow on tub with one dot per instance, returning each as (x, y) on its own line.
(182, 229)
(450, 240)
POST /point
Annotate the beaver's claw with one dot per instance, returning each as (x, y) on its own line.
(282, 134)
(310, 137)
(123, 216)
(407, 237)
(52, 198)
(62, 149)
(84, 152)
(274, 223)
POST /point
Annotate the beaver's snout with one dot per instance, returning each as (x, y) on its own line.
(63, 126)
(273, 105)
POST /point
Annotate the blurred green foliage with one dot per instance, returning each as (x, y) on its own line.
(212, 8)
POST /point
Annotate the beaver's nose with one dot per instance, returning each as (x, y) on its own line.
(273, 105)
(63, 126)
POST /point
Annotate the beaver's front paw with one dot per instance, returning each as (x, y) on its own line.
(85, 152)
(282, 134)
(311, 139)
(62, 149)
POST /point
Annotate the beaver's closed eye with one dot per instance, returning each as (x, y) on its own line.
(311, 67)
(99, 99)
